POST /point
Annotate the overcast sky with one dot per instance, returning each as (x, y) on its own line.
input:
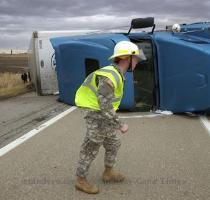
(19, 18)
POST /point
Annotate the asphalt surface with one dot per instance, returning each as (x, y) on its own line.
(25, 112)
(163, 158)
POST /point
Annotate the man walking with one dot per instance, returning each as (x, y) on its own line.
(99, 97)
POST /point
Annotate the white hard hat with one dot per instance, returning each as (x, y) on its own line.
(126, 48)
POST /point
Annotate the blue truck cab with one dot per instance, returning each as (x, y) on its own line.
(175, 76)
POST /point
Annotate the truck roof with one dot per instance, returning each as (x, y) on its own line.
(49, 34)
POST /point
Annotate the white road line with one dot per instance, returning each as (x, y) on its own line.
(206, 123)
(141, 116)
(33, 132)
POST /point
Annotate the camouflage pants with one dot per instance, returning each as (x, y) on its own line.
(99, 133)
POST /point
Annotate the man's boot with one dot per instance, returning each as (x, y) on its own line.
(83, 185)
(109, 175)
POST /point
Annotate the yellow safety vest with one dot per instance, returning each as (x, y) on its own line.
(86, 95)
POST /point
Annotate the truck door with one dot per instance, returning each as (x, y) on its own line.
(183, 72)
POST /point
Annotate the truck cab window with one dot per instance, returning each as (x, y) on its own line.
(91, 65)
(144, 79)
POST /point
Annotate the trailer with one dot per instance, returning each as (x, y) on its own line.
(174, 77)
(42, 61)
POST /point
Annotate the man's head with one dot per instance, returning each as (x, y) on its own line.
(127, 55)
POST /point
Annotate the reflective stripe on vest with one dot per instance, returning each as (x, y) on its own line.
(113, 73)
(87, 83)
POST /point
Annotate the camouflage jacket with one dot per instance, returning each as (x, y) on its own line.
(105, 99)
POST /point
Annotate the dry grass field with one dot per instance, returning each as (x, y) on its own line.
(16, 63)
(12, 85)
(11, 68)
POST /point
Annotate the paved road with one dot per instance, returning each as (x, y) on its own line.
(25, 112)
(164, 158)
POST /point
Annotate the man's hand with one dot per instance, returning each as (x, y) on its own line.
(124, 128)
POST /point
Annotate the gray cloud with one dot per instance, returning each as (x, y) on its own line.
(18, 18)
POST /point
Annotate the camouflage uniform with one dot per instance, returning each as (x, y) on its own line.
(101, 130)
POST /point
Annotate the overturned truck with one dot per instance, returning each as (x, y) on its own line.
(175, 76)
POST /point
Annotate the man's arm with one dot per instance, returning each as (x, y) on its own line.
(105, 99)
